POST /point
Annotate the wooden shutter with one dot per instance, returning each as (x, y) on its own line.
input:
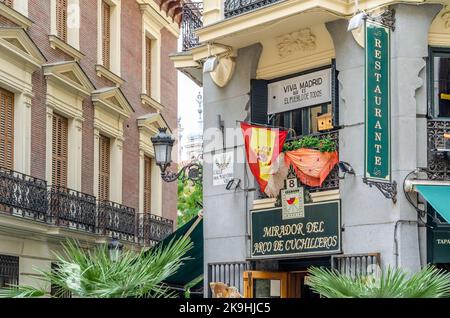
(106, 9)
(258, 101)
(59, 151)
(148, 65)
(147, 184)
(6, 129)
(61, 19)
(104, 168)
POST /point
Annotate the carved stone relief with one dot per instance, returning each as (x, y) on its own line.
(298, 41)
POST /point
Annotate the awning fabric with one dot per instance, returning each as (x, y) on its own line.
(192, 268)
(438, 197)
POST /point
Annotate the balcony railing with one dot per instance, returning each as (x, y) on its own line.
(236, 7)
(23, 195)
(191, 21)
(72, 209)
(438, 154)
(153, 228)
(28, 197)
(116, 220)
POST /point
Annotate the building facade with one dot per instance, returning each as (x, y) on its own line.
(265, 45)
(83, 86)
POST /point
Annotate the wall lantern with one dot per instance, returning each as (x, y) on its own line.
(115, 249)
(345, 168)
(163, 144)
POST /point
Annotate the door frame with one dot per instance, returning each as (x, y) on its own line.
(250, 276)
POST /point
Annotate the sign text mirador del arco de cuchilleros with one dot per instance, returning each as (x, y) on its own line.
(377, 103)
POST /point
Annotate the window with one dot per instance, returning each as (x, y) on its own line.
(6, 129)
(104, 168)
(440, 85)
(9, 271)
(8, 3)
(147, 184)
(59, 150)
(106, 37)
(304, 121)
(148, 65)
(61, 19)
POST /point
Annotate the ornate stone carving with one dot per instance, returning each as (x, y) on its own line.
(302, 40)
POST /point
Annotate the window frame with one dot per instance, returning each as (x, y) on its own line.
(433, 112)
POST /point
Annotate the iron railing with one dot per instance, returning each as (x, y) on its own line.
(236, 7)
(230, 273)
(9, 270)
(72, 209)
(356, 264)
(438, 161)
(191, 21)
(23, 195)
(28, 197)
(116, 220)
(153, 228)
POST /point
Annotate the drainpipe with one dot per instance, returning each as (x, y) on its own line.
(396, 253)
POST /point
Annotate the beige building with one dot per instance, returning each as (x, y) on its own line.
(84, 85)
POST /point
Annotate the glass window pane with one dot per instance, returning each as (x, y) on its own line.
(266, 288)
(441, 86)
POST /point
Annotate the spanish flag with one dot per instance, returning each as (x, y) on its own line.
(262, 146)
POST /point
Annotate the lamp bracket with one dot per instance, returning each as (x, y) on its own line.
(388, 189)
(192, 171)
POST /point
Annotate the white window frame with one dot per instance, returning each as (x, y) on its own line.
(115, 49)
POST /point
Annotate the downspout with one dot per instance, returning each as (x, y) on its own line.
(396, 253)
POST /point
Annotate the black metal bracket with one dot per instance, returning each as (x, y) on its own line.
(388, 189)
(192, 171)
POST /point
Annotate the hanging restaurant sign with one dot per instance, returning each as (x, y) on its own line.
(317, 233)
(300, 91)
(377, 105)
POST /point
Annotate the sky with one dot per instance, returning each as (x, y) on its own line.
(187, 101)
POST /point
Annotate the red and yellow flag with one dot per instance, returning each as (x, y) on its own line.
(262, 145)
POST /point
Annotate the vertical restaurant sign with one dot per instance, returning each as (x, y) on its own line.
(377, 103)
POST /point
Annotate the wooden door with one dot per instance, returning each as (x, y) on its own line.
(259, 284)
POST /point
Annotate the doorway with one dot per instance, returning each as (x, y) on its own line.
(258, 284)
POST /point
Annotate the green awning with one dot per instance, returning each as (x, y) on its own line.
(192, 268)
(438, 197)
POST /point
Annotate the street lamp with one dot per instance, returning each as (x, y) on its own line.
(115, 248)
(163, 143)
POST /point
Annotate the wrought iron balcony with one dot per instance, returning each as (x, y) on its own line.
(72, 209)
(28, 197)
(23, 195)
(191, 21)
(116, 220)
(236, 7)
(438, 152)
(153, 228)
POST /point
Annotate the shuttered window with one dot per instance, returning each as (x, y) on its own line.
(104, 168)
(6, 129)
(106, 16)
(147, 184)
(148, 65)
(59, 151)
(61, 19)
(9, 3)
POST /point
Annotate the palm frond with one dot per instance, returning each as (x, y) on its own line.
(393, 283)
